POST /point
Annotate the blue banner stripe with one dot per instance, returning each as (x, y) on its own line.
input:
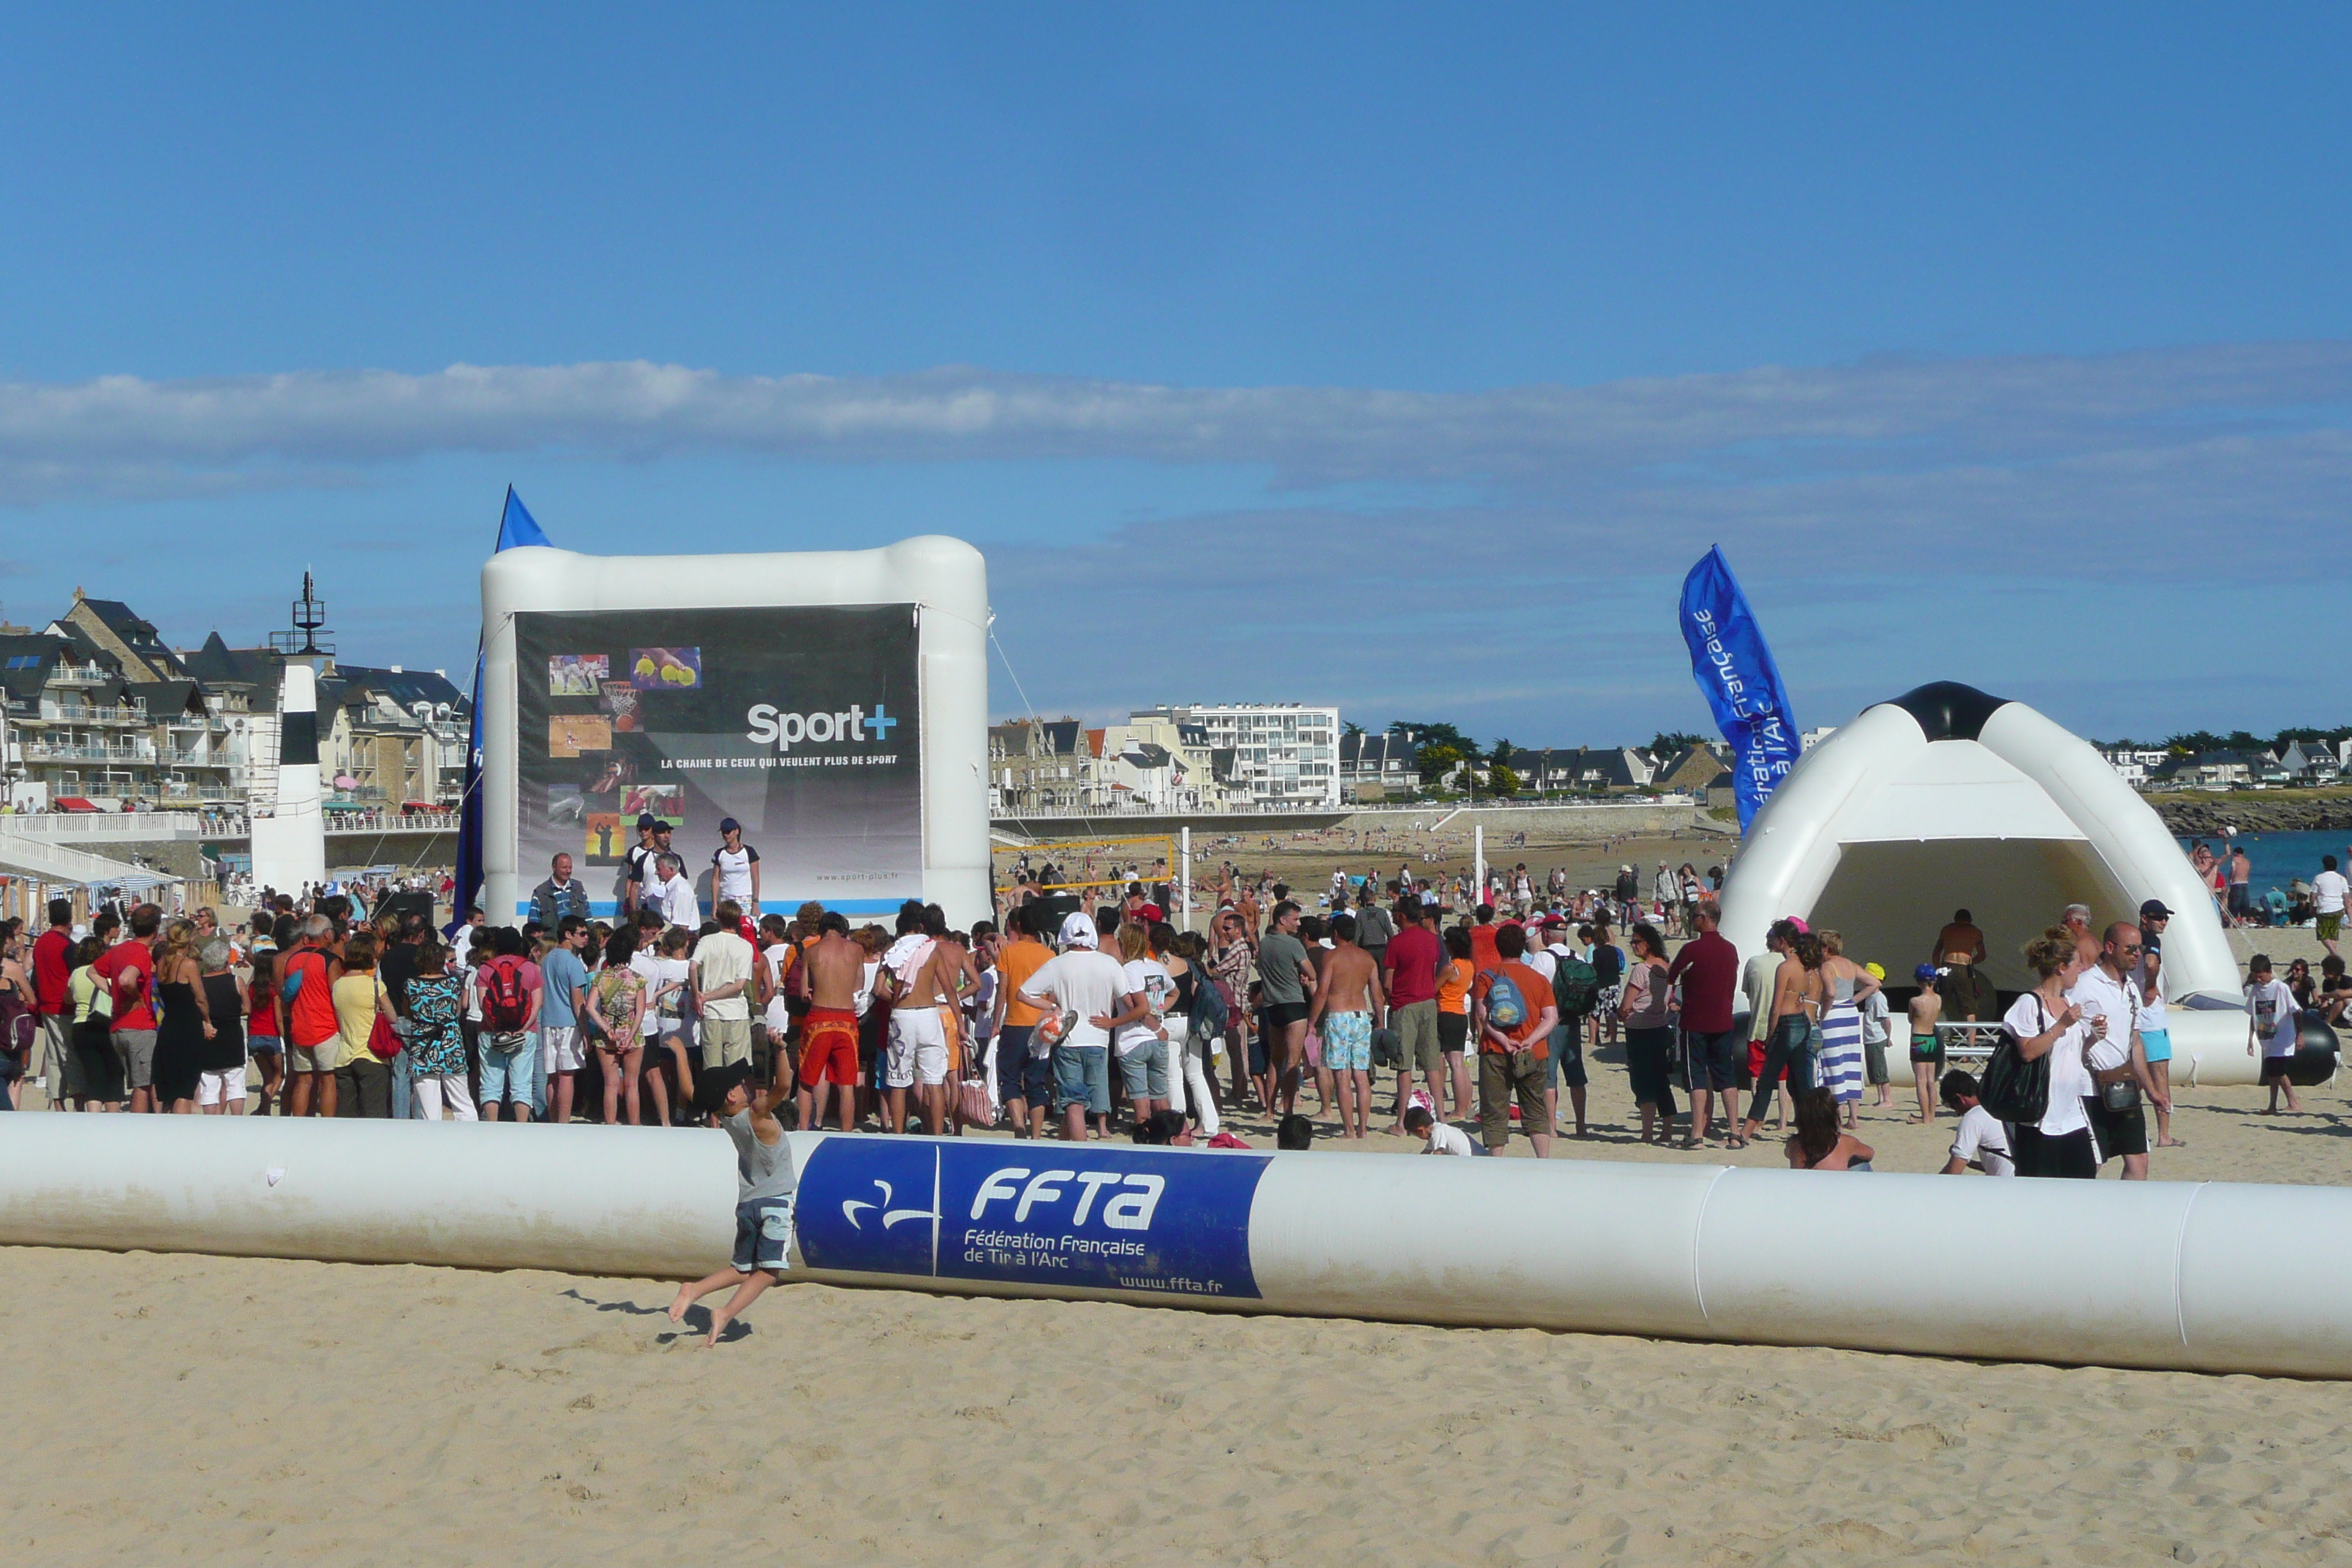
(1065, 1215)
(1742, 684)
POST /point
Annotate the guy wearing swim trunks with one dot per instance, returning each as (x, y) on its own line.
(1927, 1051)
(1347, 997)
(837, 966)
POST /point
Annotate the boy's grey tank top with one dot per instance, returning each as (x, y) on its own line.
(765, 1171)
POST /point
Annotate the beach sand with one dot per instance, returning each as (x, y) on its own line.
(175, 1407)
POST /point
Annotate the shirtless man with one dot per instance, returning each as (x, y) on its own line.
(1960, 936)
(2077, 920)
(1348, 1002)
(834, 968)
(1926, 1008)
(920, 1008)
(1799, 993)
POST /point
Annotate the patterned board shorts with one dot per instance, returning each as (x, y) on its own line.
(1347, 1041)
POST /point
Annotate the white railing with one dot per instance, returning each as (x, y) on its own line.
(86, 825)
(41, 750)
(391, 821)
(80, 675)
(94, 713)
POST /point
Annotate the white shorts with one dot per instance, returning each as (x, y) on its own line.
(918, 1046)
(213, 1088)
(559, 1050)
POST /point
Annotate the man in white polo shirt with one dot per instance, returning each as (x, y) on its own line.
(2328, 892)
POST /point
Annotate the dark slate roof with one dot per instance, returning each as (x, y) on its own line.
(406, 686)
(167, 698)
(23, 682)
(217, 664)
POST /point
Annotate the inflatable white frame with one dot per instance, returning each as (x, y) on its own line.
(945, 577)
(2206, 1275)
(1947, 798)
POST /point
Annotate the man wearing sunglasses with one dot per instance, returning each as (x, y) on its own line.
(2116, 1057)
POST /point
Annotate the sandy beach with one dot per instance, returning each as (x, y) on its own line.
(186, 1407)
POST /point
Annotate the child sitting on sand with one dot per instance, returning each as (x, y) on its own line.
(1438, 1138)
(763, 1204)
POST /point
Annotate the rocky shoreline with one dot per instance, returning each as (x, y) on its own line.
(2192, 817)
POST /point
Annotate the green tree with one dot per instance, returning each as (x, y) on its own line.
(1502, 752)
(1350, 728)
(1434, 734)
(1666, 742)
(1502, 780)
(1437, 762)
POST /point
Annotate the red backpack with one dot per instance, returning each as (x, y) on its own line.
(506, 1001)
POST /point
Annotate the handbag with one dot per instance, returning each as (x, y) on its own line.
(2013, 1090)
(383, 1044)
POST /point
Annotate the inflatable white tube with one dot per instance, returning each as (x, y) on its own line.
(589, 1200)
(2214, 1277)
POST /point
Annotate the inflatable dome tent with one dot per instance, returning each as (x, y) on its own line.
(1946, 798)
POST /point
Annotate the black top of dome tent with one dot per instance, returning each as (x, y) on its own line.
(1947, 710)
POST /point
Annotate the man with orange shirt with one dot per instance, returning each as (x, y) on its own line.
(1514, 1029)
(1024, 1079)
(312, 968)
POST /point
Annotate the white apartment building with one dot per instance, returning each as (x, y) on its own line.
(1286, 756)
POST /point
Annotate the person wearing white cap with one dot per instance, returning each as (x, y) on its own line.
(1078, 931)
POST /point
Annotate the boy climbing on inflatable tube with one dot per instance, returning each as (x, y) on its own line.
(764, 1200)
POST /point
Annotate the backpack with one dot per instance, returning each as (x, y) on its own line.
(1575, 985)
(505, 1002)
(290, 985)
(1208, 1007)
(1505, 1009)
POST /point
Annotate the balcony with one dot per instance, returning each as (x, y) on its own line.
(130, 713)
(79, 675)
(48, 751)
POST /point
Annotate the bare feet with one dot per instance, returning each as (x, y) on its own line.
(718, 1321)
(680, 1302)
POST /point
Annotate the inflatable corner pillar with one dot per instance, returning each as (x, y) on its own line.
(289, 843)
(832, 703)
(1946, 799)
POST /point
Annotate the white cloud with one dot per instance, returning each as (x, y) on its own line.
(129, 437)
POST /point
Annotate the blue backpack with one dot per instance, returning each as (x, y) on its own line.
(1505, 1009)
(1208, 1008)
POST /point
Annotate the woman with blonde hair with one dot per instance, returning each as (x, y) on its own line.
(185, 1024)
(1850, 985)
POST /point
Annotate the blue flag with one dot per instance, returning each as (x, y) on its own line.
(1742, 684)
(516, 526)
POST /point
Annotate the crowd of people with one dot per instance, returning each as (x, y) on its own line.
(1093, 1023)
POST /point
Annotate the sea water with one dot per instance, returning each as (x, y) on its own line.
(2279, 858)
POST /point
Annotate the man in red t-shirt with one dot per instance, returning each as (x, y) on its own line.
(53, 999)
(1410, 964)
(1709, 969)
(1511, 1055)
(129, 970)
(1483, 956)
(313, 1054)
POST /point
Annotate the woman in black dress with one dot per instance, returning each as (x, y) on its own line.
(184, 1031)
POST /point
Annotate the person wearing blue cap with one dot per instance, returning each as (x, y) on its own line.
(735, 869)
(1927, 1051)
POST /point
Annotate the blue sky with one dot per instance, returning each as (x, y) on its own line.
(1398, 359)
